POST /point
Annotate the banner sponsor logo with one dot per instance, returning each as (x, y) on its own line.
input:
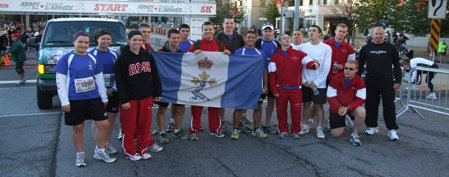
(30, 5)
(110, 7)
(4, 5)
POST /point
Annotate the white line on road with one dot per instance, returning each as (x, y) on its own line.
(29, 114)
(16, 81)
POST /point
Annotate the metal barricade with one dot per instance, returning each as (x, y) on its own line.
(419, 96)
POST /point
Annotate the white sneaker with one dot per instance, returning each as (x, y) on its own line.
(432, 96)
(103, 155)
(110, 149)
(135, 157)
(304, 129)
(393, 135)
(155, 148)
(146, 156)
(371, 130)
(349, 123)
(320, 133)
(119, 136)
(412, 87)
(153, 132)
(79, 161)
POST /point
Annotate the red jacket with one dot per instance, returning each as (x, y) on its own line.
(339, 54)
(206, 45)
(338, 95)
(287, 70)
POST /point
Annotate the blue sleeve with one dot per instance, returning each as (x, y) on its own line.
(61, 66)
(265, 60)
(98, 66)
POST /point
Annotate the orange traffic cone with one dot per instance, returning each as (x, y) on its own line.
(6, 60)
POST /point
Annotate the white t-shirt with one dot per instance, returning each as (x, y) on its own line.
(414, 62)
(321, 53)
(296, 47)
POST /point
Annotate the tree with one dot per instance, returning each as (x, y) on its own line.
(227, 10)
(271, 12)
(371, 12)
(347, 11)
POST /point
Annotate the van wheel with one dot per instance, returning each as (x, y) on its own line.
(44, 99)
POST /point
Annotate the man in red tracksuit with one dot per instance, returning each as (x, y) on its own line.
(208, 43)
(285, 70)
(341, 51)
(346, 94)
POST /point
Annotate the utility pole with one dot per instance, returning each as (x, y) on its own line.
(296, 16)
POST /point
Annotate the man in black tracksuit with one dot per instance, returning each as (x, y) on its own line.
(381, 81)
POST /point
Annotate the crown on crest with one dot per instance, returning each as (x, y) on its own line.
(205, 63)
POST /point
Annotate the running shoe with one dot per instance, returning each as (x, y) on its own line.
(180, 135)
(235, 134)
(304, 129)
(218, 135)
(320, 133)
(163, 138)
(355, 140)
(153, 132)
(194, 137)
(371, 130)
(393, 135)
(119, 136)
(432, 96)
(110, 149)
(296, 136)
(259, 133)
(283, 135)
(103, 156)
(171, 126)
(145, 155)
(244, 128)
(135, 157)
(155, 148)
(270, 129)
(348, 121)
(79, 161)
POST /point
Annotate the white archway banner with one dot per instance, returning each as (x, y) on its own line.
(100, 8)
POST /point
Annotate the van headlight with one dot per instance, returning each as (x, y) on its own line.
(45, 69)
(40, 69)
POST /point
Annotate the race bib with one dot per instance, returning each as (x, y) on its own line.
(109, 80)
(84, 84)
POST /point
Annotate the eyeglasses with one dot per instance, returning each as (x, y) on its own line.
(348, 68)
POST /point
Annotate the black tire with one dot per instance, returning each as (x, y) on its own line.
(44, 99)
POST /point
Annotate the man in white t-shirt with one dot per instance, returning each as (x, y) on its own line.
(297, 39)
(314, 81)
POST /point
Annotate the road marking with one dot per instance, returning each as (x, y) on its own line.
(29, 114)
(16, 81)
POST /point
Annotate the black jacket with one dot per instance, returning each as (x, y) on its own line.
(379, 58)
(136, 76)
(232, 45)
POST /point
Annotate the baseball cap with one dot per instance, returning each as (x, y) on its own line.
(267, 25)
(15, 35)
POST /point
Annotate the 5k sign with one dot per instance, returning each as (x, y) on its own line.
(206, 9)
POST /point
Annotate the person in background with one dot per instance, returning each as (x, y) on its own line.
(442, 47)
(298, 36)
(19, 56)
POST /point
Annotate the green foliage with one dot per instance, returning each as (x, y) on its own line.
(404, 17)
(271, 12)
(371, 12)
(223, 11)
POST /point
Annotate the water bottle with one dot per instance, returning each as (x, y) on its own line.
(316, 92)
(335, 68)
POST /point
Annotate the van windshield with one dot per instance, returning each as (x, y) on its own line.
(59, 34)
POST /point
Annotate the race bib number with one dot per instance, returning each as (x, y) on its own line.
(84, 84)
(109, 80)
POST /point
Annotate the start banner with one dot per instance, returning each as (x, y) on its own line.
(99, 7)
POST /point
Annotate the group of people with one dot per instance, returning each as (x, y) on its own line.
(306, 75)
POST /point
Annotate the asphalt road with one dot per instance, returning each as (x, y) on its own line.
(36, 142)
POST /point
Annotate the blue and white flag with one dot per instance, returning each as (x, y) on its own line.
(210, 79)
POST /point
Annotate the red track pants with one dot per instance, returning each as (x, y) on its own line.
(214, 120)
(136, 123)
(294, 96)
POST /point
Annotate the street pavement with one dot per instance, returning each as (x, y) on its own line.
(36, 142)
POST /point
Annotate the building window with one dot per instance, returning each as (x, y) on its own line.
(262, 2)
(337, 2)
(324, 2)
(300, 3)
(310, 2)
(349, 1)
